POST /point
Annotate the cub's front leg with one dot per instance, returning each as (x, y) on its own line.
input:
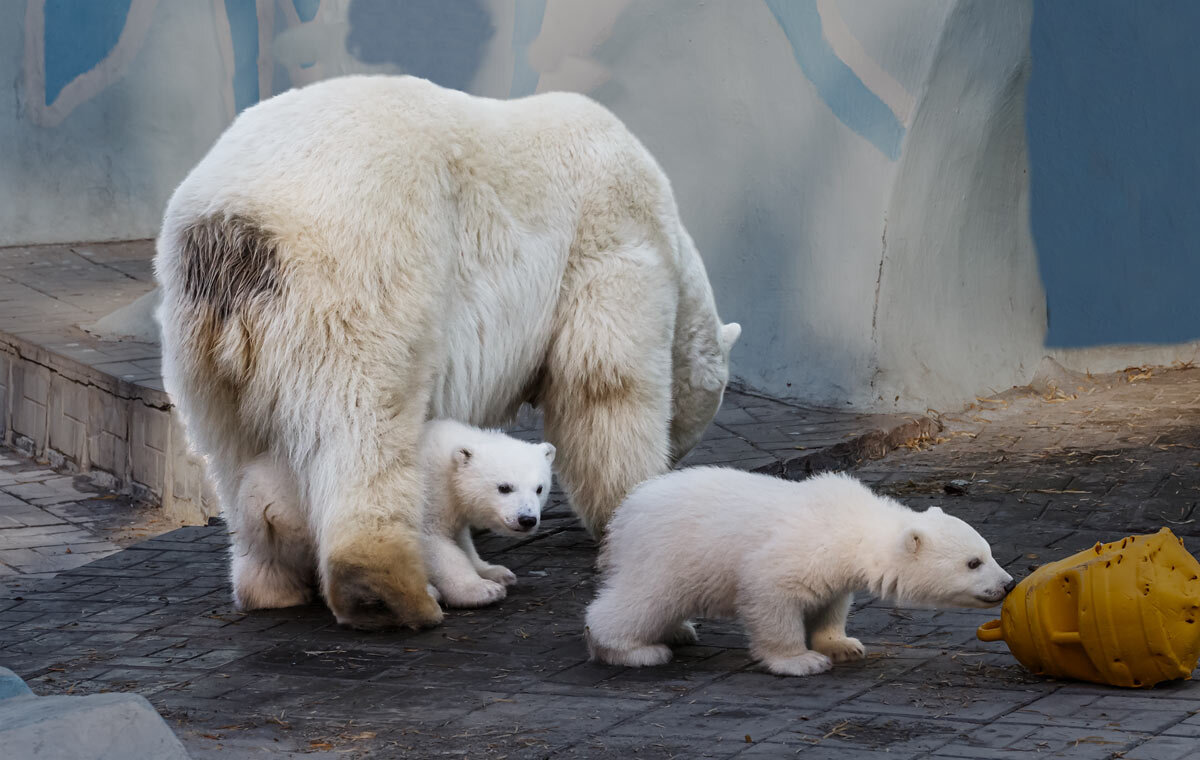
(454, 576)
(496, 573)
(772, 604)
(828, 631)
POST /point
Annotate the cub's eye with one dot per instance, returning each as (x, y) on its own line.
(539, 489)
(505, 488)
(974, 563)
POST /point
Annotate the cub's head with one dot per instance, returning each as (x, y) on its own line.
(504, 484)
(946, 563)
(699, 385)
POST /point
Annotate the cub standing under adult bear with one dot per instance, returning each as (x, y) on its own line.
(477, 479)
(783, 557)
(362, 254)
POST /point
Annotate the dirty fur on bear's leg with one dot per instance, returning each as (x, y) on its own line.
(272, 562)
(371, 592)
(373, 570)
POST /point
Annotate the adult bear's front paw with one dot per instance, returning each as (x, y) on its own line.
(375, 598)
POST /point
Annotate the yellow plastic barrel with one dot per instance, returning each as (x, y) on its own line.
(1125, 614)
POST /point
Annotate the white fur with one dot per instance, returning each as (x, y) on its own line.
(478, 479)
(784, 557)
(271, 558)
(439, 255)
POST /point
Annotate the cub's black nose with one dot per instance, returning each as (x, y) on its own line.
(1010, 585)
(527, 521)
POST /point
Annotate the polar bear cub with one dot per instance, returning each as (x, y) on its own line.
(782, 556)
(477, 479)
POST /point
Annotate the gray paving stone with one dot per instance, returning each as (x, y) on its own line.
(1119, 711)
(930, 699)
(1163, 748)
(1189, 727)
(60, 535)
(851, 733)
(712, 722)
(26, 516)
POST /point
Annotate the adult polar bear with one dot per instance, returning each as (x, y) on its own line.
(359, 255)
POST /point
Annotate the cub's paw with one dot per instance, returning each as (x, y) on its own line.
(683, 636)
(841, 650)
(479, 594)
(499, 574)
(806, 664)
(432, 591)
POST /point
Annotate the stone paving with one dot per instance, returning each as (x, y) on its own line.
(50, 522)
(1046, 475)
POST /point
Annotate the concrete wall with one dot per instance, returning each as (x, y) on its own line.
(102, 131)
(857, 173)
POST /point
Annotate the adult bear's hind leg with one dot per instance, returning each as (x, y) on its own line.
(272, 562)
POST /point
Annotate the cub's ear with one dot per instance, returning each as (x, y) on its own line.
(729, 334)
(462, 457)
(934, 510)
(913, 541)
(550, 451)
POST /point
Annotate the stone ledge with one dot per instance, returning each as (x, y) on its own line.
(118, 434)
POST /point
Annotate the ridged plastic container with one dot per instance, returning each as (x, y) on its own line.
(1124, 614)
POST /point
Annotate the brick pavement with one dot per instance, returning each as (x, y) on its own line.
(1046, 477)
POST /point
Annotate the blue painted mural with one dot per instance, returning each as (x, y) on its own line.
(441, 41)
(1113, 105)
(78, 35)
(527, 22)
(306, 10)
(78, 48)
(854, 104)
(243, 31)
